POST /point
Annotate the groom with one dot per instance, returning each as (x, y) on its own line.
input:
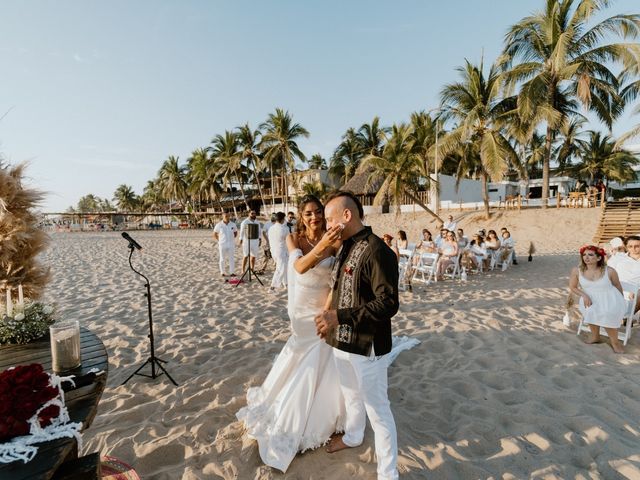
(364, 297)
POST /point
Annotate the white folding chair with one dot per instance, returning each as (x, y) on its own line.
(624, 332)
(426, 268)
(404, 263)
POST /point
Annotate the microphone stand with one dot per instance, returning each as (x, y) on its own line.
(153, 360)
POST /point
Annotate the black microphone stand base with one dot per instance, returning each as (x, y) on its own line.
(154, 362)
(248, 271)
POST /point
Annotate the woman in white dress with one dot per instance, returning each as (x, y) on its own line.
(601, 301)
(300, 404)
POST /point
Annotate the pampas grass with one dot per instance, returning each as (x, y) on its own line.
(20, 239)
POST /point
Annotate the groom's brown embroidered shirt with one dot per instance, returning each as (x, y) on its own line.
(364, 294)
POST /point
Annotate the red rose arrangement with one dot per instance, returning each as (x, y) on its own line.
(23, 391)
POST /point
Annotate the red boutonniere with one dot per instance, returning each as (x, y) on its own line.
(348, 270)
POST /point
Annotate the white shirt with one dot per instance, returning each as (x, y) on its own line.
(451, 226)
(243, 228)
(508, 242)
(616, 259)
(225, 233)
(265, 229)
(628, 270)
(278, 239)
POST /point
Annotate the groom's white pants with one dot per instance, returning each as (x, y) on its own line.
(363, 381)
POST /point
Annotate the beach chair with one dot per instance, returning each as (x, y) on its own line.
(425, 269)
(503, 258)
(404, 263)
(453, 270)
(624, 332)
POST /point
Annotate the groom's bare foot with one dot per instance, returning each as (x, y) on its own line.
(593, 339)
(336, 444)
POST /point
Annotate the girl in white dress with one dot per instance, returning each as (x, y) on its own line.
(300, 404)
(601, 301)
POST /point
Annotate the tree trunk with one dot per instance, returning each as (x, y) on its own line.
(241, 183)
(417, 200)
(273, 189)
(545, 168)
(255, 174)
(485, 195)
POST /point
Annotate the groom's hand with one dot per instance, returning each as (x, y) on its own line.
(325, 322)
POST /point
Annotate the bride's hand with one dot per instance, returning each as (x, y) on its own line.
(330, 237)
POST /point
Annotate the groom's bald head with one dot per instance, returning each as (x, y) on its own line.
(345, 210)
(345, 200)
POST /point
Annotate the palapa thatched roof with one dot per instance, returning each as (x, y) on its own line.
(358, 183)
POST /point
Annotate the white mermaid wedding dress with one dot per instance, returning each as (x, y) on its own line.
(300, 404)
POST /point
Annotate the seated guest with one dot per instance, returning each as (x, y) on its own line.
(388, 239)
(402, 242)
(426, 245)
(508, 245)
(628, 266)
(462, 240)
(477, 253)
(617, 252)
(448, 253)
(440, 238)
(601, 301)
(492, 243)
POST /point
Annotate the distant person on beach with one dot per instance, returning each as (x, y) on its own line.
(225, 232)
(462, 240)
(291, 222)
(426, 244)
(628, 266)
(601, 301)
(441, 237)
(278, 244)
(618, 253)
(388, 240)
(250, 248)
(450, 224)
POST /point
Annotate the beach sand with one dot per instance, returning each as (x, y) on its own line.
(498, 387)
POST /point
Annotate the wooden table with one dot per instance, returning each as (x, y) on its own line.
(81, 402)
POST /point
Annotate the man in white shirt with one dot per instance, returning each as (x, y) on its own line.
(225, 233)
(628, 268)
(250, 248)
(266, 250)
(278, 242)
(450, 224)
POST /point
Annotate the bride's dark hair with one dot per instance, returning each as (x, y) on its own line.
(301, 228)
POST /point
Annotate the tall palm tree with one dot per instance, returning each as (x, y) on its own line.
(557, 57)
(316, 162)
(571, 138)
(423, 135)
(279, 145)
(398, 169)
(248, 141)
(477, 105)
(601, 159)
(226, 153)
(171, 179)
(346, 157)
(197, 175)
(630, 93)
(151, 196)
(126, 198)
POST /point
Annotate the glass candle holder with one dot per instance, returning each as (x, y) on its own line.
(65, 345)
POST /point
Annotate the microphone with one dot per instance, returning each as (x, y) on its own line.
(131, 241)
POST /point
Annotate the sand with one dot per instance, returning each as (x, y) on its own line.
(498, 387)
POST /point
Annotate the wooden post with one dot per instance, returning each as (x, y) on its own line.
(519, 202)
(558, 198)
(602, 192)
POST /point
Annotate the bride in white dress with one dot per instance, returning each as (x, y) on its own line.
(300, 405)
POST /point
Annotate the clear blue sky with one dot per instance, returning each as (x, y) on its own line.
(100, 93)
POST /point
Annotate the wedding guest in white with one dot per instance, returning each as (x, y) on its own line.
(463, 241)
(291, 222)
(250, 248)
(601, 301)
(225, 233)
(440, 238)
(618, 253)
(508, 242)
(628, 266)
(450, 224)
(266, 249)
(278, 244)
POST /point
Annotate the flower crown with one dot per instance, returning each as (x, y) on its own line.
(599, 251)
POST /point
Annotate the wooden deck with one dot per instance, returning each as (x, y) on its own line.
(618, 219)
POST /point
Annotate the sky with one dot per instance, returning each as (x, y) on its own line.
(95, 94)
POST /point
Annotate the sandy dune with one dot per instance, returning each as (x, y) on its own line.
(498, 388)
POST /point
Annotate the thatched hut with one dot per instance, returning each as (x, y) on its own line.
(366, 191)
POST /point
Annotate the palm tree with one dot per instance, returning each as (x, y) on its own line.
(397, 168)
(226, 154)
(279, 145)
(600, 159)
(88, 203)
(559, 58)
(569, 147)
(424, 138)
(346, 157)
(126, 198)
(629, 93)
(248, 141)
(171, 180)
(317, 189)
(150, 197)
(316, 162)
(371, 137)
(476, 104)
